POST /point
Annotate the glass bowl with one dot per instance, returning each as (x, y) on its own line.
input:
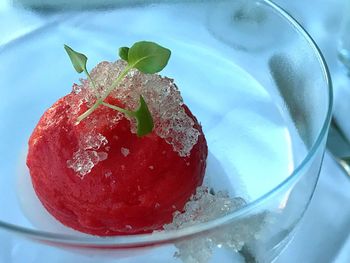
(248, 71)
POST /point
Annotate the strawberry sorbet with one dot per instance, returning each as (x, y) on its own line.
(98, 176)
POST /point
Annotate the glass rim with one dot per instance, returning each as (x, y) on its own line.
(161, 237)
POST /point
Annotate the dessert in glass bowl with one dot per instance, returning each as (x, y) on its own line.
(102, 168)
(263, 101)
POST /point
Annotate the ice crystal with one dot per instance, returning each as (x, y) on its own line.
(164, 102)
(84, 160)
(108, 174)
(161, 94)
(87, 156)
(93, 141)
(203, 207)
(124, 151)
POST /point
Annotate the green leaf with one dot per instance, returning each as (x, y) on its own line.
(148, 57)
(142, 115)
(78, 60)
(144, 119)
(123, 53)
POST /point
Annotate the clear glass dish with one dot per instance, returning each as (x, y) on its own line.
(248, 71)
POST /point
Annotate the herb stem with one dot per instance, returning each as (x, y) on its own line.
(89, 111)
(116, 82)
(105, 95)
(127, 112)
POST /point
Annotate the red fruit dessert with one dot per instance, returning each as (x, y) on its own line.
(98, 176)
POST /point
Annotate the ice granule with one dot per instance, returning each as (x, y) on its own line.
(93, 141)
(124, 151)
(108, 174)
(102, 156)
(205, 206)
(161, 94)
(117, 117)
(76, 89)
(84, 96)
(87, 156)
(84, 160)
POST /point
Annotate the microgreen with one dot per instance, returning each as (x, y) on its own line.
(123, 53)
(143, 118)
(147, 57)
(79, 61)
(142, 115)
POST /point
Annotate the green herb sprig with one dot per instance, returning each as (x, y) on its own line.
(147, 57)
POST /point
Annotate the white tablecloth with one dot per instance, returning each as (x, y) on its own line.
(324, 233)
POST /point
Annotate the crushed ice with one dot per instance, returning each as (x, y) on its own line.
(161, 94)
(93, 141)
(83, 161)
(87, 156)
(204, 206)
(108, 174)
(124, 151)
(163, 99)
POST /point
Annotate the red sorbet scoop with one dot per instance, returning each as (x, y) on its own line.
(98, 176)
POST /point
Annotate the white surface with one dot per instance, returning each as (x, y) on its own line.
(323, 234)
